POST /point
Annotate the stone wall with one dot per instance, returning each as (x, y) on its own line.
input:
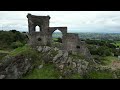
(70, 41)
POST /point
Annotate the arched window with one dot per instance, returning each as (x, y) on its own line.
(37, 29)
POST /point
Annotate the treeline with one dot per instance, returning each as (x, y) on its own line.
(100, 36)
(12, 39)
(103, 47)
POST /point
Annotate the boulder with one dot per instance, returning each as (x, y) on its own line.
(46, 49)
(60, 53)
(15, 67)
(39, 49)
(40, 66)
(2, 76)
(61, 67)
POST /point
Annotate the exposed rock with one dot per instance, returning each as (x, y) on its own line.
(46, 49)
(60, 77)
(39, 48)
(69, 61)
(2, 76)
(65, 57)
(56, 49)
(61, 67)
(40, 66)
(65, 54)
(60, 53)
(74, 64)
(15, 67)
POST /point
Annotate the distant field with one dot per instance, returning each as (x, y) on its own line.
(118, 43)
(57, 35)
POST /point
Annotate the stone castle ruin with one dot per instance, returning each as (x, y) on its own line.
(70, 41)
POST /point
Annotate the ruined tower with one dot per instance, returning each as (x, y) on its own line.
(41, 37)
(44, 36)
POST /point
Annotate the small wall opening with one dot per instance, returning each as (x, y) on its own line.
(39, 39)
(78, 47)
(37, 29)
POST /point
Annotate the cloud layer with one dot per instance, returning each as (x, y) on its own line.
(82, 21)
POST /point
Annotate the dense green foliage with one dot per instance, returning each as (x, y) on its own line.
(12, 39)
(102, 47)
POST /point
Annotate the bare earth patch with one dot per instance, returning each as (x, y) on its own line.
(115, 65)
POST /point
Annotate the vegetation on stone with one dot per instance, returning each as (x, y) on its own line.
(43, 66)
(36, 55)
(99, 75)
(11, 39)
(47, 72)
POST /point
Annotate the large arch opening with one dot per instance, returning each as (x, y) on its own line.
(57, 36)
(37, 29)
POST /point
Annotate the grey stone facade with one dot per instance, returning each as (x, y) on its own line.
(70, 41)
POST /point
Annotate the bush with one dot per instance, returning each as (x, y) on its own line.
(8, 38)
(16, 44)
(104, 51)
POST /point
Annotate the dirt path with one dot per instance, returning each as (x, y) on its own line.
(115, 65)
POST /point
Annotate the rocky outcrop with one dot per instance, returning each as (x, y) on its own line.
(15, 67)
(66, 63)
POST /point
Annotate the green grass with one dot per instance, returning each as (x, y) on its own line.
(77, 56)
(3, 51)
(105, 60)
(118, 43)
(108, 60)
(47, 72)
(2, 55)
(20, 50)
(74, 76)
(99, 75)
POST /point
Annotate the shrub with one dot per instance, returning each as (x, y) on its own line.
(16, 44)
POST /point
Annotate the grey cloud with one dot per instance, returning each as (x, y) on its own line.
(79, 20)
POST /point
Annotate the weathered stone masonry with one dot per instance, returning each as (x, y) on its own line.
(70, 41)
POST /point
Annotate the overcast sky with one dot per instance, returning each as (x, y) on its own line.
(76, 21)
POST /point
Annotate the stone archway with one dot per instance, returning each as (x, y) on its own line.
(62, 29)
(57, 36)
